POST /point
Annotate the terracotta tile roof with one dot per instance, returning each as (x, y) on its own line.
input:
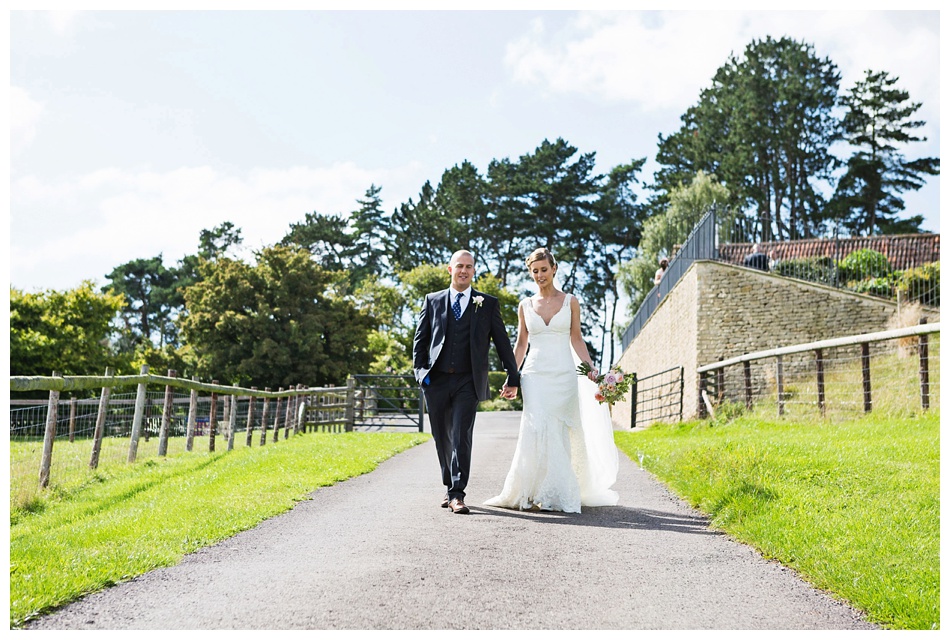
(903, 252)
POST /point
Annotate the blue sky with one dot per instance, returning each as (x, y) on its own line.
(132, 131)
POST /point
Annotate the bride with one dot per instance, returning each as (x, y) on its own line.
(565, 457)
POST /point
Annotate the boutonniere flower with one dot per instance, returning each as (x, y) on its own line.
(478, 300)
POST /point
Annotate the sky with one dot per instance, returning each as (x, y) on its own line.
(131, 131)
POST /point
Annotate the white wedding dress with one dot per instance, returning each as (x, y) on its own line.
(565, 457)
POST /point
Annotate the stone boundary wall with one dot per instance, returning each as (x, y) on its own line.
(719, 311)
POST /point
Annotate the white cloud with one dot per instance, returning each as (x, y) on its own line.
(662, 60)
(25, 113)
(105, 218)
(62, 21)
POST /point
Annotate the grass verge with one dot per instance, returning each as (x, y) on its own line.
(158, 510)
(854, 507)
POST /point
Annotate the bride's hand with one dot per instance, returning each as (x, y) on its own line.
(593, 373)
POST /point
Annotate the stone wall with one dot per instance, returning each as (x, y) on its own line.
(719, 311)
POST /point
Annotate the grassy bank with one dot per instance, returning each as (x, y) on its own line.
(152, 513)
(854, 507)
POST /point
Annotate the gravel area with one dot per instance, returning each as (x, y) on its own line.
(378, 553)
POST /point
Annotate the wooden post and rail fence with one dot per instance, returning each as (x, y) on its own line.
(305, 408)
(711, 377)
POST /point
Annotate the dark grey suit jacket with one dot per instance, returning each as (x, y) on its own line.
(487, 326)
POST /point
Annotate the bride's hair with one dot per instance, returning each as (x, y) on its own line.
(541, 254)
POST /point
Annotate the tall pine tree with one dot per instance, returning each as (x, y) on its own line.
(879, 123)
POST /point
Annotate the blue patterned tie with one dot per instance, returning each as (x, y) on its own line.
(457, 307)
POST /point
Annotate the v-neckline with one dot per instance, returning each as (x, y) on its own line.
(548, 323)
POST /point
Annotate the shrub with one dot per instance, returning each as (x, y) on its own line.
(921, 284)
(819, 269)
(863, 264)
(873, 286)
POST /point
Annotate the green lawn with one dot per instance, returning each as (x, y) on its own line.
(110, 527)
(853, 506)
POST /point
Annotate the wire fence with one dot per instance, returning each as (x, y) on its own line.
(893, 373)
(77, 441)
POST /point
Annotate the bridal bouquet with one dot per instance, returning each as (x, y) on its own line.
(611, 386)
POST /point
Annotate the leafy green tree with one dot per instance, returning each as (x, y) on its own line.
(765, 127)
(148, 289)
(421, 280)
(65, 331)
(878, 123)
(420, 233)
(543, 200)
(355, 243)
(618, 219)
(275, 323)
(154, 298)
(664, 232)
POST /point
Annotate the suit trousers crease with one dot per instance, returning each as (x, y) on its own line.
(452, 403)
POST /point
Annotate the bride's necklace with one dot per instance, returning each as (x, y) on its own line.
(548, 299)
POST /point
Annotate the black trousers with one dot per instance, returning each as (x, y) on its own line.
(452, 403)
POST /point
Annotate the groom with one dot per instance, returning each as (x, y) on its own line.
(450, 357)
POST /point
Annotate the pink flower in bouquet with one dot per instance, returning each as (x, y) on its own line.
(610, 379)
(599, 397)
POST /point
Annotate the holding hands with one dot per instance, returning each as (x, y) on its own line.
(509, 393)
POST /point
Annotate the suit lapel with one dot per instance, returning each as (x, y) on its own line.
(474, 307)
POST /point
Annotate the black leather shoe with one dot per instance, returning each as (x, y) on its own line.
(445, 502)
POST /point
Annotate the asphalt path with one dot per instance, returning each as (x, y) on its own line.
(378, 553)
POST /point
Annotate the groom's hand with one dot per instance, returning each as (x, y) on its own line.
(509, 393)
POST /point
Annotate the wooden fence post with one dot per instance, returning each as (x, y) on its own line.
(923, 351)
(288, 415)
(301, 401)
(167, 409)
(226, 417)
(232, 421)
(700, 389)
(301, 413)
(277, 416)
(100, 423)
(820, 368)
(140, 398)
(264, 417)
(250, 417)
(192, 418)
(213, 419)
(350, 415)
(866, 375)
(780, 383)
(682, 389)
(72, 418)
(720, 383)
(747, 377)
(51, 410)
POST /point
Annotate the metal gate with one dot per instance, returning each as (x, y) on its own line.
(383, 402)
(657, 398)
